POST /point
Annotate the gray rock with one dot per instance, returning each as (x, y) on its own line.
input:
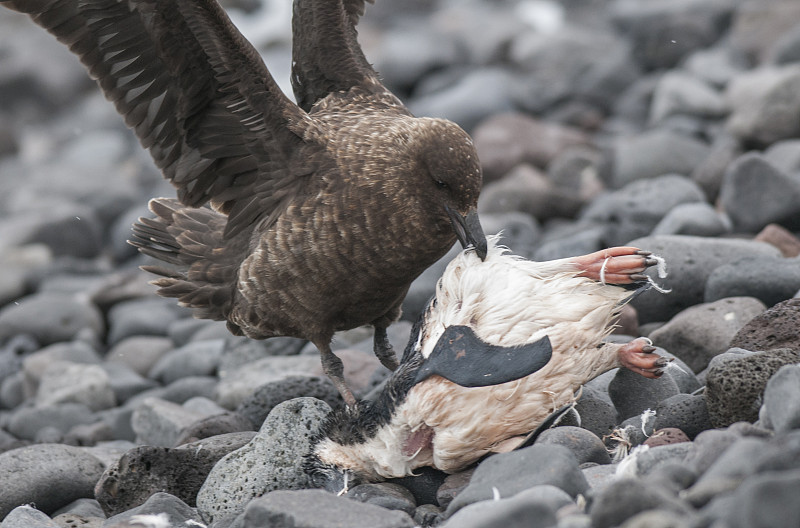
(757, 27)
(386, 495)
(55, 475)
(766, 104)
(49, 318)
(468, 100)
(180, 391)
(535, 507)
(160, 507)
(271, 461)
(599, 477)
(317, 508)
(125, 382)
(139, 352)
(738, 461)
(405, 54)
(66, 382)
(240, 383)
(652, 154)
(506, 140)
(702, 331)
(27, 421)
(627, 497)
(636, 209)
(525, 189)
(658, 518)
(199, 358)
(159, 422)
(707, 447)
(781, 408)
(685, 412)
(597, 413)
(571, 240)
(765, 500)
(690, 260)
(27, 516)
(662, 33)
(145, 470)
(35, 364)
(735, 388)
(632, 393)
(214, 425)
(697, 219)
(142, 317)
(749, 276)
(265, 398)
(682, 93)
(755, 193)
(66, 228)
(585, 445)
(778, 327)
(513, 472)
(784, 155)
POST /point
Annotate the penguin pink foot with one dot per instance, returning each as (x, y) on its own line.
(617, 265)
(639, 356)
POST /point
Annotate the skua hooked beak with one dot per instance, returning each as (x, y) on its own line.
(468, 230)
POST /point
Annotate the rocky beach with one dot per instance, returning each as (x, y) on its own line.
(672, 126)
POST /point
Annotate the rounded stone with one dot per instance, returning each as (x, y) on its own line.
(55, 475)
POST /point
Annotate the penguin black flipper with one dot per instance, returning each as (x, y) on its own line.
(461, 357)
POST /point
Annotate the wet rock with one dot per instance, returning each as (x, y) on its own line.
(513, 472)
(271, 461)
(147, 470)
(735, 388)
(702, 331)
(778, 327)
(55, 475)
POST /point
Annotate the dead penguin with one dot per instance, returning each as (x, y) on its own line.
(550, 318)
(322, 212)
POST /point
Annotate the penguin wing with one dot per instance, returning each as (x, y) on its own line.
(462, 357)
